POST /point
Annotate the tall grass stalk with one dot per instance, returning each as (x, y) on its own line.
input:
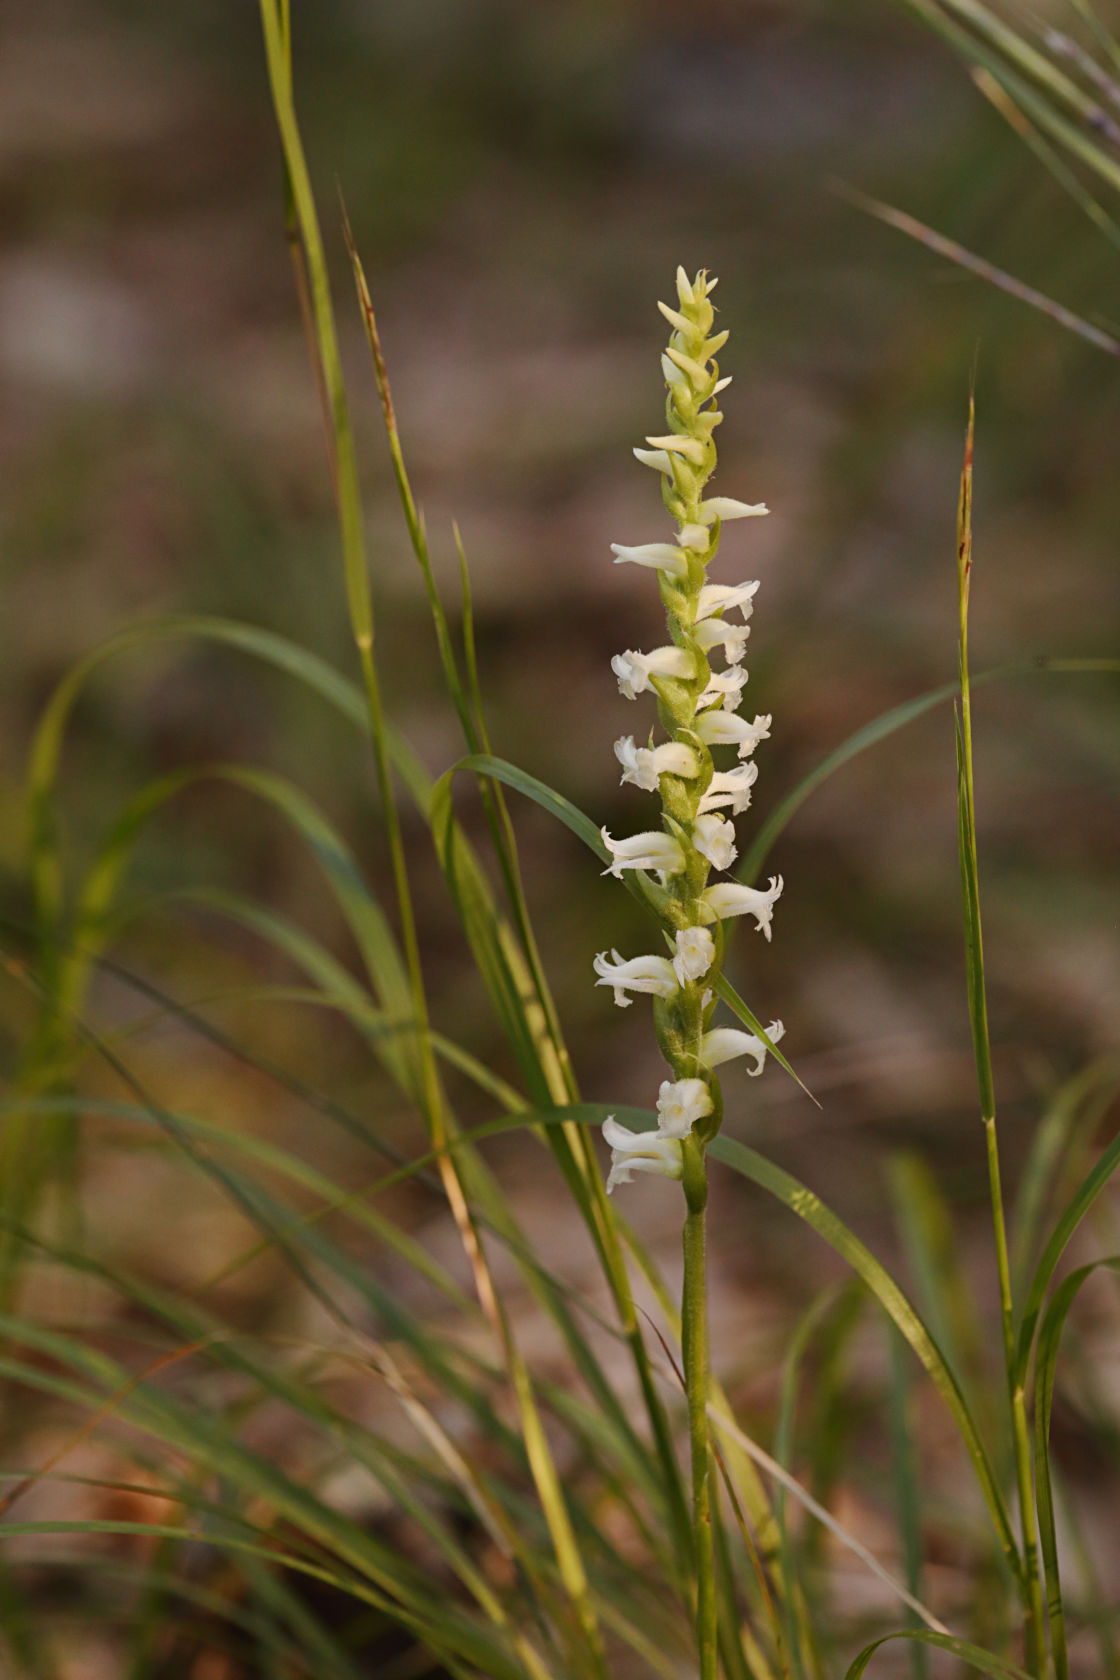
(1035, 1634)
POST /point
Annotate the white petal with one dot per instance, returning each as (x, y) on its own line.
(639, 1152)
(730, 787)
(724, 1044)
(680, 1104)
(696, 951)
(652, 849)
(731, 898)
(662, 556)
(673, 444)
(634, 669)
(673, 374)
(655, 458)
(714, 838)
(726, 507)
(655, 975)
(724, 729)
(645, 765)
(722, 597)
(720, 632)
(724, 688)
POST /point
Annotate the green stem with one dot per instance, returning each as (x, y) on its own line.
(694, 1346)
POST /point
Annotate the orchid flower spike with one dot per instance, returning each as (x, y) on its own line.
(699, 709)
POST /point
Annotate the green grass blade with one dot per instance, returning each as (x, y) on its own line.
(1030, 1583)
(907, 1490)
(1075, 1109)
(868, 735)
(879, 729)
(1048, 156)
(982, 1661)
(984, 270)
(925, 1229)
(809, 1207)
(732, 1432)
(1049, 1342)
(1087, 1192)
(278, 56)
(799, 1632)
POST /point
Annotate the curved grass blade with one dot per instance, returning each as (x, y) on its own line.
(279, 1228)
(1029, 77)
(792, 1485)
(888, 723)
(982, 1661)
(868, 735)
(799, 1631)
(1048, 155)
(1088, 1191)
(809, 1207)
(931, 1244)
(1018, 289)
(46, 747)
(1076, 1109)
(907, 1490)
(360, 1445)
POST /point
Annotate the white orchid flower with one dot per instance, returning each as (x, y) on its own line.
(636, 974)
(645, 765)
(724, 1044)
(632, 1152)
(651, 849)
(680, 1104)
(730, 898)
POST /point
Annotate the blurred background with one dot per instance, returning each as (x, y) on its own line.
(523, 181)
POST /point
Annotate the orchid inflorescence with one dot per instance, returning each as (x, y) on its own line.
(698, 707)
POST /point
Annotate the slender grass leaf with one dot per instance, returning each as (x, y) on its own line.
(982, 1661)
(1049, 1342)
(809, 1207)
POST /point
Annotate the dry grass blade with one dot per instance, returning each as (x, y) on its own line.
(979, 266)
(846, 1539)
